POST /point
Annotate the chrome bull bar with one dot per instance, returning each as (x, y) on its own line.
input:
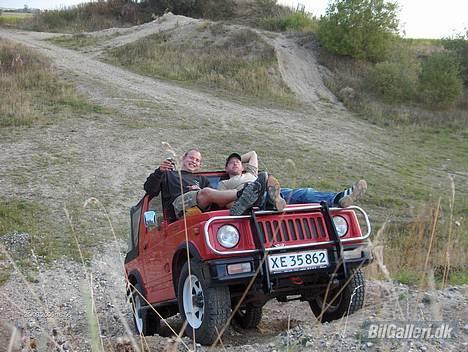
(286, 210)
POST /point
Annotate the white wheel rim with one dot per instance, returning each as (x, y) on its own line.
(194, 301)
(136, 313)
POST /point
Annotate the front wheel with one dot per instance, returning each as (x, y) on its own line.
(147, 322)
(350, 300)
(206, 309)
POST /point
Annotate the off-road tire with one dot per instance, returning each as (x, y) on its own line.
(213, 308)
(350, 300)
(146, 321)
(249, 317)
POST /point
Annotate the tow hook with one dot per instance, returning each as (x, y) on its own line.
(334, 283)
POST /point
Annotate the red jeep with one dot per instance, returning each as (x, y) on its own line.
(211, 264)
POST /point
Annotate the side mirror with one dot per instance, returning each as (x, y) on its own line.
(150, 218)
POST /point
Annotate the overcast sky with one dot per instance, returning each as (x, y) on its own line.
(418, 18)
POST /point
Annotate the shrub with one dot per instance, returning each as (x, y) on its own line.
(440, 81)
(89, 16)
(363, 29)
(213, 9)
(298, 21)
(395, 80)
(459, 45)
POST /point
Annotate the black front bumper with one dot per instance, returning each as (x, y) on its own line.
(217, 270)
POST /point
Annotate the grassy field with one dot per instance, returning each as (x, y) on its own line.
(31, 92)
(14, 19)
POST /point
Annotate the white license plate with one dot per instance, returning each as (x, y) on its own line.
(297, 261)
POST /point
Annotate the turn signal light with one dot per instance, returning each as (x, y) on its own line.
(239, 268)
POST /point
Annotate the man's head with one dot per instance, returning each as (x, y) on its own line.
(234, 165)
(191, 161)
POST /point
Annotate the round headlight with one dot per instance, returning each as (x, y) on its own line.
(228, 236)
(341, 225)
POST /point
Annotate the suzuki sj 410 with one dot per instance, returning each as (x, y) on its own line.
(210, 266)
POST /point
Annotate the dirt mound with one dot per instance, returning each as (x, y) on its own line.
(296, 58)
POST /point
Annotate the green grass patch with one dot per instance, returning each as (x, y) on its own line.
(459, 277)
(80, 41)
(76, 41)
(408, 277)
(47, 234)
(31, 93)
(241, 65)
(14, 19)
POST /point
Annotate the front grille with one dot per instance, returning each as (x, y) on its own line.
(291, 229)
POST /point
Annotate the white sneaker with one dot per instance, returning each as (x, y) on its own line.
(353, 193)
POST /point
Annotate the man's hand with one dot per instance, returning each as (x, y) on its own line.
(166, 165)
(194, 187)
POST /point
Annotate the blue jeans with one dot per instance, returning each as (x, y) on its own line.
(309, 195)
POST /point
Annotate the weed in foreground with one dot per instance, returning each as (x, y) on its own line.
(431, 249)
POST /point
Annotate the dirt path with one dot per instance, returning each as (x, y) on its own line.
(300, 71)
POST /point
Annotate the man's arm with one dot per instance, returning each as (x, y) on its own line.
(152, 185)
(250, 158)
(250, 161)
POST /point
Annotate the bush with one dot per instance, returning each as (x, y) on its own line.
(363, 29)
(89, 16)
(440, 81)
(395, 80)
(213, 9)
(459, 45)
(298, 21)
(387, 79)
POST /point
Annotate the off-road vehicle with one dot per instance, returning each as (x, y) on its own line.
(211, 265)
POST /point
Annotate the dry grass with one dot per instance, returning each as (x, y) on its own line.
(88, 16)
(30, 92)
(434, 244)
(239, 64)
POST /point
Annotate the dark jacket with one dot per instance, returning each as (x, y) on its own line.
(168, 182)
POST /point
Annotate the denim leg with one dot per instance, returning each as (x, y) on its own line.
(308, 195)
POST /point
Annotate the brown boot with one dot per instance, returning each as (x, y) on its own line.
(274, 196)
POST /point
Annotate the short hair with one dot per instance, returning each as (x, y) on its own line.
(191, 150)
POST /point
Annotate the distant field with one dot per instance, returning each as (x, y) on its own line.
(13, 18)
